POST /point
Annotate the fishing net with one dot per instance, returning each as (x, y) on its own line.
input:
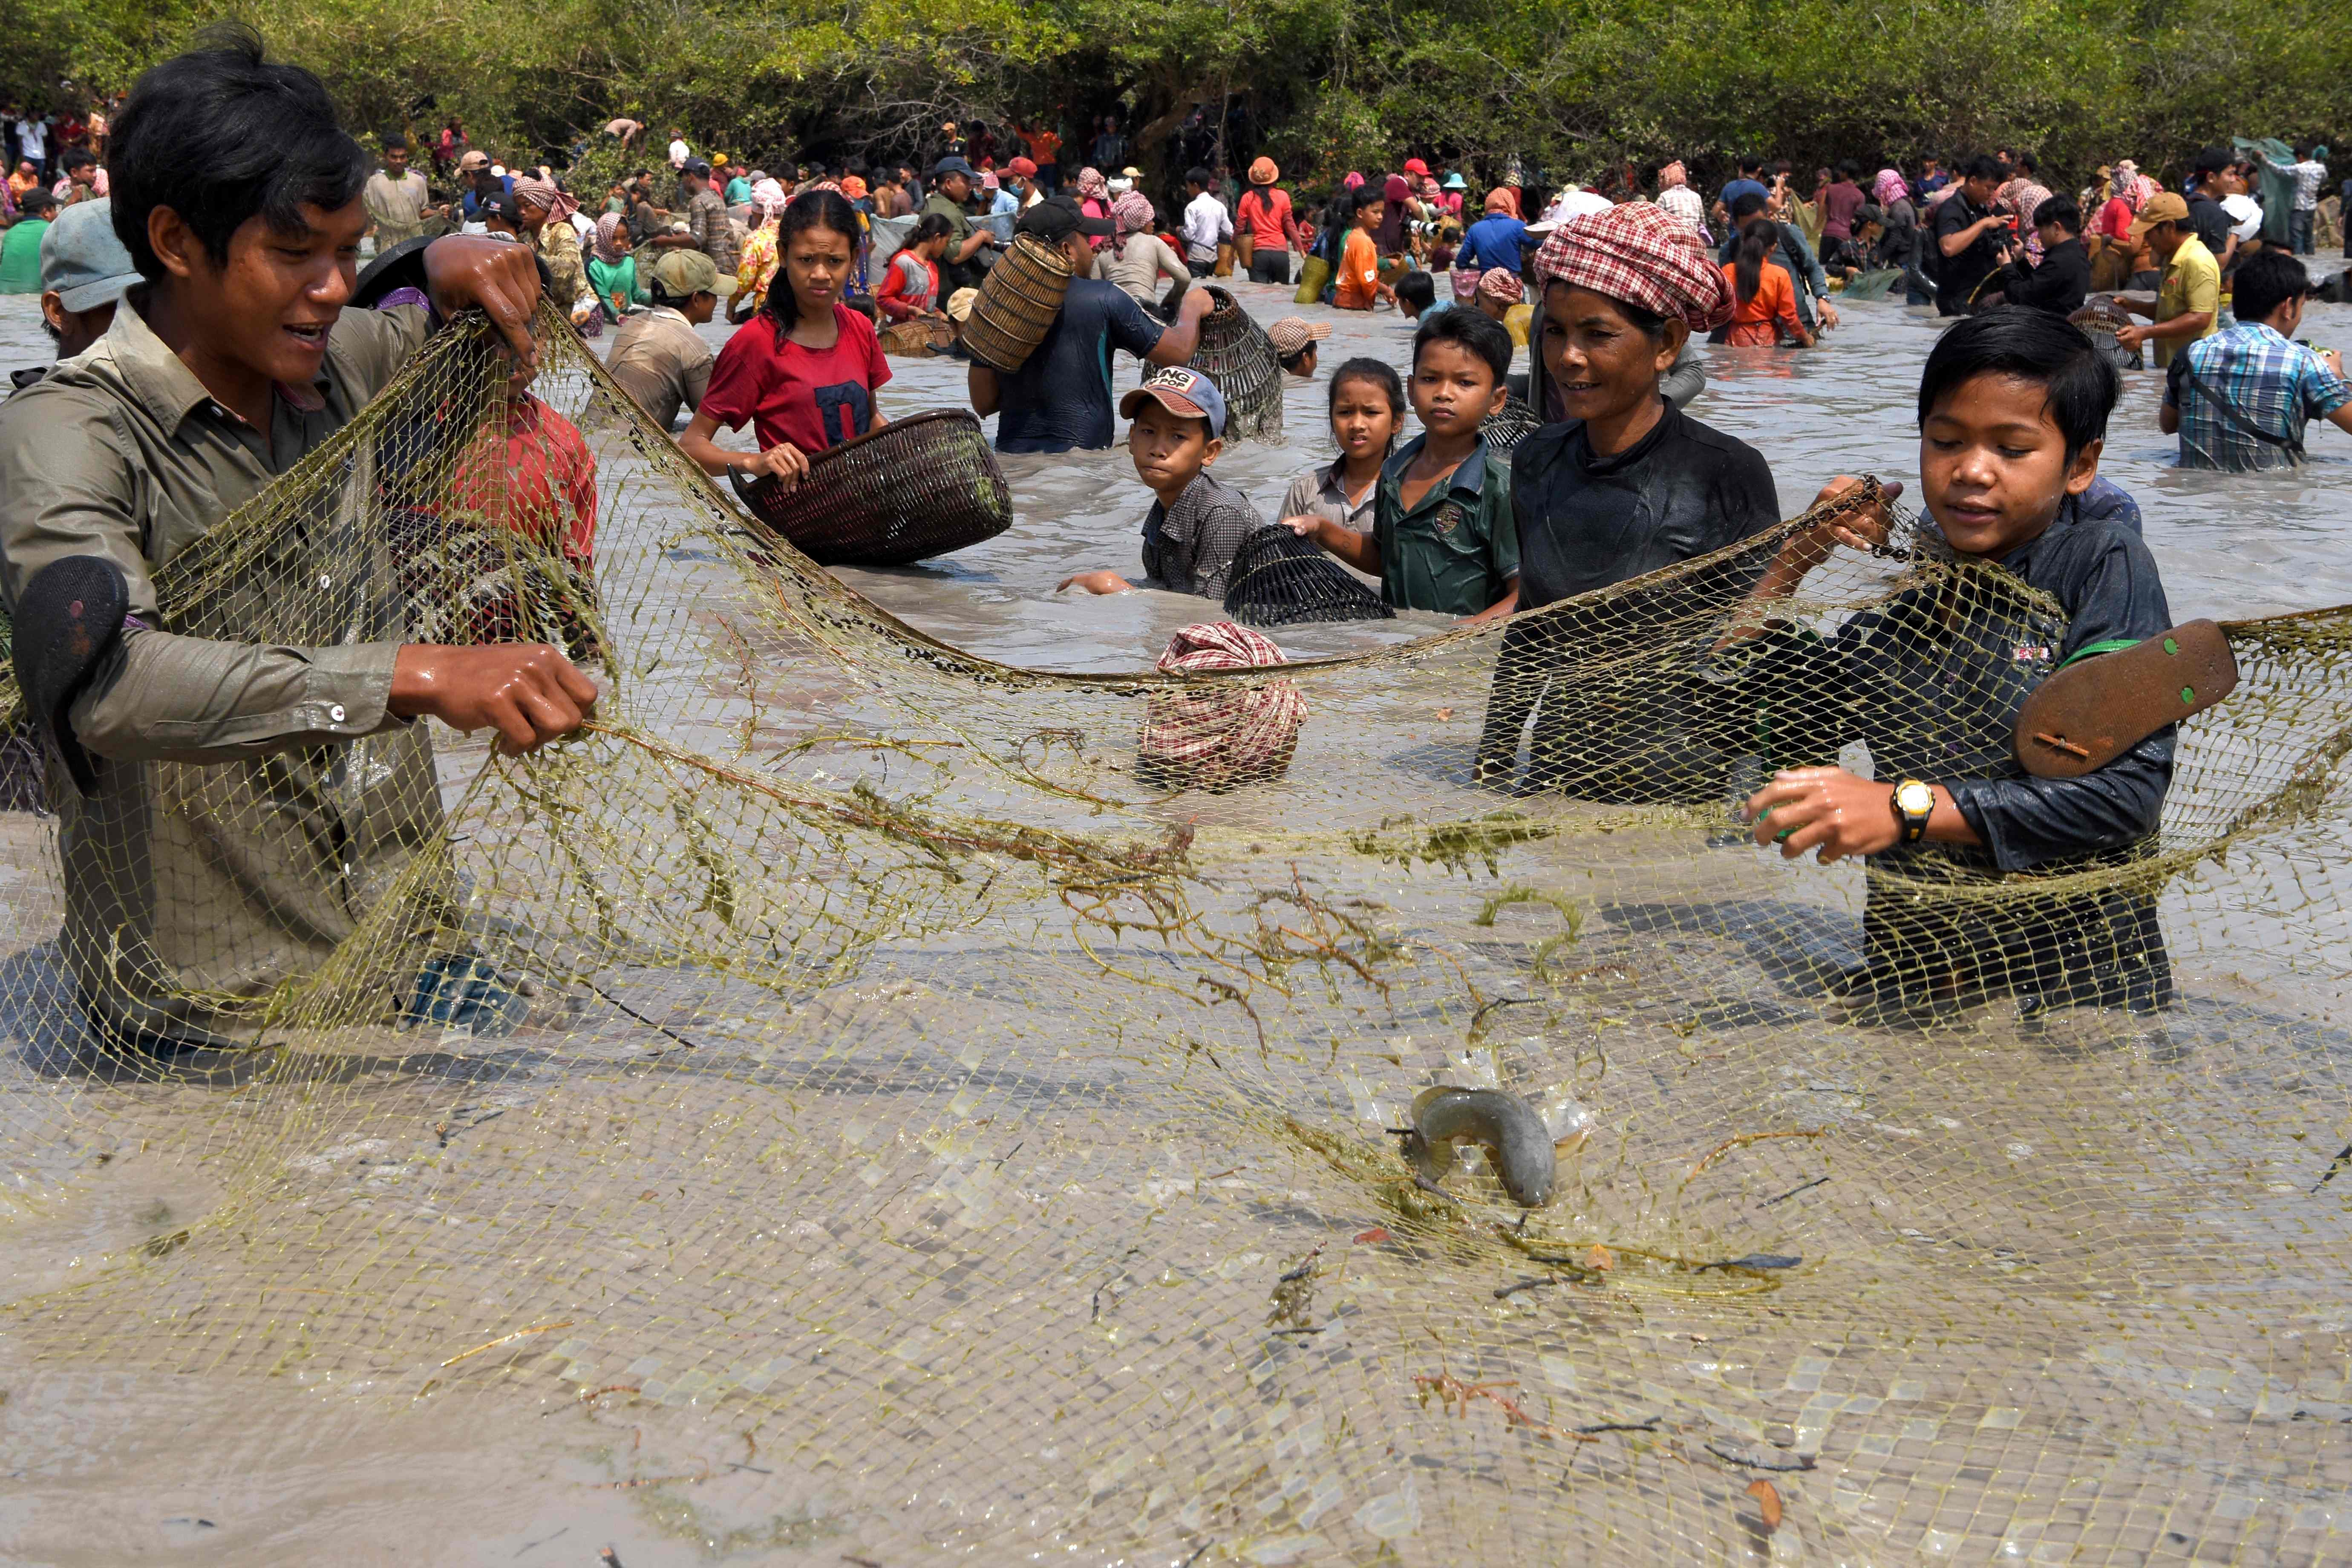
(842, 1067)
(919, 487)
(1234, 352)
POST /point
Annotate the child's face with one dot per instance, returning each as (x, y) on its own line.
(1363, 421)
(1170, 450)
(1454, 390)
(1992, 465)
(1370, 216)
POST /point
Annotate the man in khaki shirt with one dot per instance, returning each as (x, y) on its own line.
(245, 779)
(397, 200)
(658, 358)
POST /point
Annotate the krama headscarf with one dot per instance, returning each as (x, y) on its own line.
(1503, 284)
(768, 197)
(1639, 254)
(612, 243)
(1890, 187)
(1673, 175)
(543, 193)
(1214, 737)
(1092, 184)
(1131, 210)
(1503, 199)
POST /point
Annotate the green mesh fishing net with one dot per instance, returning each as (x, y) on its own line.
(977, 1089)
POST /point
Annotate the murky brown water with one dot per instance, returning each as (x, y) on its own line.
(310, 1465)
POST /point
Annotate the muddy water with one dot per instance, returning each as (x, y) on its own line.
(104, 1465)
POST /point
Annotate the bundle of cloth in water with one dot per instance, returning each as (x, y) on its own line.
(1221, 736)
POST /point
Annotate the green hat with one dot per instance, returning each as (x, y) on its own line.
(683, 272)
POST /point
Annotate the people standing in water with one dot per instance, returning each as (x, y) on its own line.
(1443, 538)
(912, 283)
(1625, 484)
(1764, 300)
(658, 358)
(805, 372)
(2188, 301)
(1367, 416)
(1138, 261)
(1060, 398)
(1295, 339)
(2242, 398)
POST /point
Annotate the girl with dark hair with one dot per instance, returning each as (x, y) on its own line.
(1765, 295)
(1367, 416)
(803, 371)
(910, 286)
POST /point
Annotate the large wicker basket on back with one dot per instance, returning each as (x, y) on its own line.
(1018, 302)
(1235, 353)
(919, 487)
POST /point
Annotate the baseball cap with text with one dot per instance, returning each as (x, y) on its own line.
(1182, 391)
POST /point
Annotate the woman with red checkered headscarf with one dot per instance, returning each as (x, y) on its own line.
(1616, 483)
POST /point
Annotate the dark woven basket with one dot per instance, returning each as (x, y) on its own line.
(1510, 425)
(1235, 353)
(2100, 321)
(1280, 580)
(919, 487)
(1019, 300)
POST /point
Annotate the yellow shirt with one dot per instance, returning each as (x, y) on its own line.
(2192, 282)
(1517, 320)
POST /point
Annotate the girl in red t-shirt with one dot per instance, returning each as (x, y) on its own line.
(803, 372)
(910, 285)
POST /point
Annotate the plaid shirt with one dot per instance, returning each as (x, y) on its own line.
(1188, 547)
(2307, 175)
(2275, 385)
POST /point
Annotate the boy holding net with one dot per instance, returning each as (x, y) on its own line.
(2018, 580)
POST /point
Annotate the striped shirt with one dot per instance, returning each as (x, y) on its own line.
(2275, 385)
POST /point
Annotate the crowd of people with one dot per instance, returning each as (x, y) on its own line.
(151, 288)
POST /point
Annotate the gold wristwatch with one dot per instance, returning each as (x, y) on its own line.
(1914, 804)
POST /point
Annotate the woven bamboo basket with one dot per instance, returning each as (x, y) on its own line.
(1279, 580)
(919, 487)
(918, 337)
(2100, 322)
(1509, 425)
(1018, 302)
(1235, 353)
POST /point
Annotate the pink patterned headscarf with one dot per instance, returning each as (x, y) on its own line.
(1889, 188)
(1131, 210)
(542, 193)
(1503, 284)
(1217, 736)
(611, 244)
(768, 197)
(1673, 175)
(1638, 253)
(1092, 184)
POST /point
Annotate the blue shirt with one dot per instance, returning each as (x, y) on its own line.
(2274, 385)
(1496, 240)
(473, 201)
(1740, 187)
(1060, 397)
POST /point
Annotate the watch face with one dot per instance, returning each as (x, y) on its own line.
(1916, 798)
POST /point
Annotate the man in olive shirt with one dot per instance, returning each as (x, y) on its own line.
(951, 188)
(397, 201)
(658, 358)
(236, 799)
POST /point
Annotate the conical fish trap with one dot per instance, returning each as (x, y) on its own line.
(2101, 321)
(1279, 580)
(919, 487)
(1018, 303)
(1509, 425)
(1235, 353)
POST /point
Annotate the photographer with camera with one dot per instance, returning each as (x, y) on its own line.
(1973, 240)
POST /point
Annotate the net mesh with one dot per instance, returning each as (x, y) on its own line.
(842, 1046)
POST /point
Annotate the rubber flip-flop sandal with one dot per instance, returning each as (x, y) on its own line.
(2093, 710)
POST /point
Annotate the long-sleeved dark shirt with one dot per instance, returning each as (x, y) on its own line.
(2059, 285)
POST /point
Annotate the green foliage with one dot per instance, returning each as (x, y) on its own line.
(1568, 86)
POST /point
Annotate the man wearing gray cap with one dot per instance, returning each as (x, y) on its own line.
(84, 270)
(659, 359)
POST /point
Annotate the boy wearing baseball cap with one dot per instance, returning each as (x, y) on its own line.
(658, 358)
(1195, 525)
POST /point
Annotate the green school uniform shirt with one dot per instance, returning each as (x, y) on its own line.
(1457, 551)
(20, 256)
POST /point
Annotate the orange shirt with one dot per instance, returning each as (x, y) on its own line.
(1763, 318)
(1359, 272)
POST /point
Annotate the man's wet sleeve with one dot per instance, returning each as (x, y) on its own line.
(70, 484)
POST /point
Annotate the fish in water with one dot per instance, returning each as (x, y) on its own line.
(1517, 1143)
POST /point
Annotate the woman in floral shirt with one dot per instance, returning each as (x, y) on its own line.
(757, 267)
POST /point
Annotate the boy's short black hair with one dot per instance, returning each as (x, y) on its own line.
(1983, 166)
(1751, 164)
(1416, 291)
(2060, 210)
(76, 158)
(390, 143)
(1475, 330)
(1196, 175)
(2022, 163)
(1748, 205)
(2080, 384)
(37, 199)
(220, 135)
(2267, 279)
(2213, 160)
